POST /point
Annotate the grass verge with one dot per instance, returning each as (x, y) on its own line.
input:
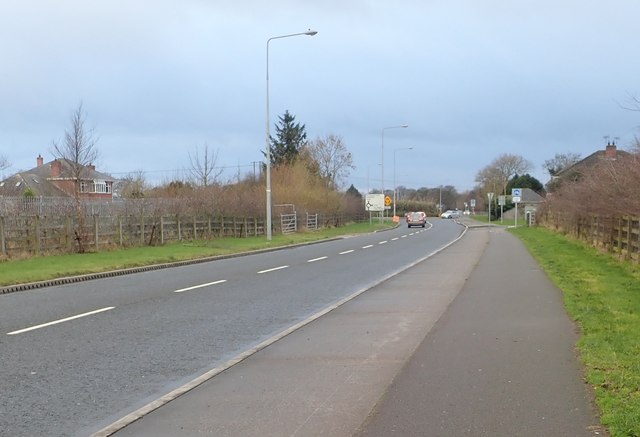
(50, 267)
(603, 296)
(505, 222)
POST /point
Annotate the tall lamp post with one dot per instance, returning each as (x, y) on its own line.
(268, 139)
(382, 152)
(394, 176)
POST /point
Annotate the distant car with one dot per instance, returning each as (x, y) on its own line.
(418, 218)
(450, 214)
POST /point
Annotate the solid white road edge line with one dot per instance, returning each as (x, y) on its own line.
(55, 322)
(200, 286)
(154, 405)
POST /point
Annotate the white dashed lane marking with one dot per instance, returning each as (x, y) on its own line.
(55, 322)
(272, 270)
(200, 286)
(317, 259)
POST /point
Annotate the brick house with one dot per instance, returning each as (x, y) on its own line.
(55, 179)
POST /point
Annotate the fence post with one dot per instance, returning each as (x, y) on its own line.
(141, 229)
(69, 234)
(629, 237)
(619, 236)
(120, 229)
(161, 230)
(3, 242)
(95, 230)
(195, 227)
(36, 235)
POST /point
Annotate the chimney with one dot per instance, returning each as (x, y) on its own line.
(56, 169)
(91, 167)
(40, 160)
(610, 151)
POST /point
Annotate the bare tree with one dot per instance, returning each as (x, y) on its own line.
(4, 163)
(497, 174)
(133, 186)
(332, 158)
(203, 169)
(78, 151)
(560, 161)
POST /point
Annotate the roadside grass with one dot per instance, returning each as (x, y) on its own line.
(602, 295)
(58, 266)
(505, 222)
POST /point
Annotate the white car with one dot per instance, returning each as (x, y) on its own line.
(450, 214)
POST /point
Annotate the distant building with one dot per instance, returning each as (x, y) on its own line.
(55, 179)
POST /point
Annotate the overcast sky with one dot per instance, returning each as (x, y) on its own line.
(473, 79)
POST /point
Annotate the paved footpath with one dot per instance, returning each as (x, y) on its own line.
(473, 342)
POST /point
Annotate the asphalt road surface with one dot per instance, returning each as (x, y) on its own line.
(77, 357)
(472, 342)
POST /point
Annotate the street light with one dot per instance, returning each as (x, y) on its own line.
(268, 139)
(394, 176)
(382, 152)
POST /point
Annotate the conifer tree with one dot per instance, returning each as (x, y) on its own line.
(290, 138)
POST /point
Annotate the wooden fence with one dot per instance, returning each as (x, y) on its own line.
(34, 234)
(618, 235)
(43, 234)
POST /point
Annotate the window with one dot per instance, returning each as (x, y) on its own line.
(95, 186)
(99, 186)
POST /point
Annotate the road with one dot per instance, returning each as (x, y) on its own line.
(79, 356)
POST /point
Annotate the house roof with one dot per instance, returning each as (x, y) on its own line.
(530, 196)
(611, 153)
(39, 180)
(16, 185)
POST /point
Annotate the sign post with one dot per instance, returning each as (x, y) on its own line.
(516, 197)
(501, 202)
(374, 202)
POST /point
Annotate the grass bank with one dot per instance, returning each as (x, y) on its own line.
(603, 296)
(50, 267)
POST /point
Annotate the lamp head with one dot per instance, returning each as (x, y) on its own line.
(311, 32)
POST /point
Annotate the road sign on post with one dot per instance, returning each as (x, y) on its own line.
(516, 197)
(374, 202)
